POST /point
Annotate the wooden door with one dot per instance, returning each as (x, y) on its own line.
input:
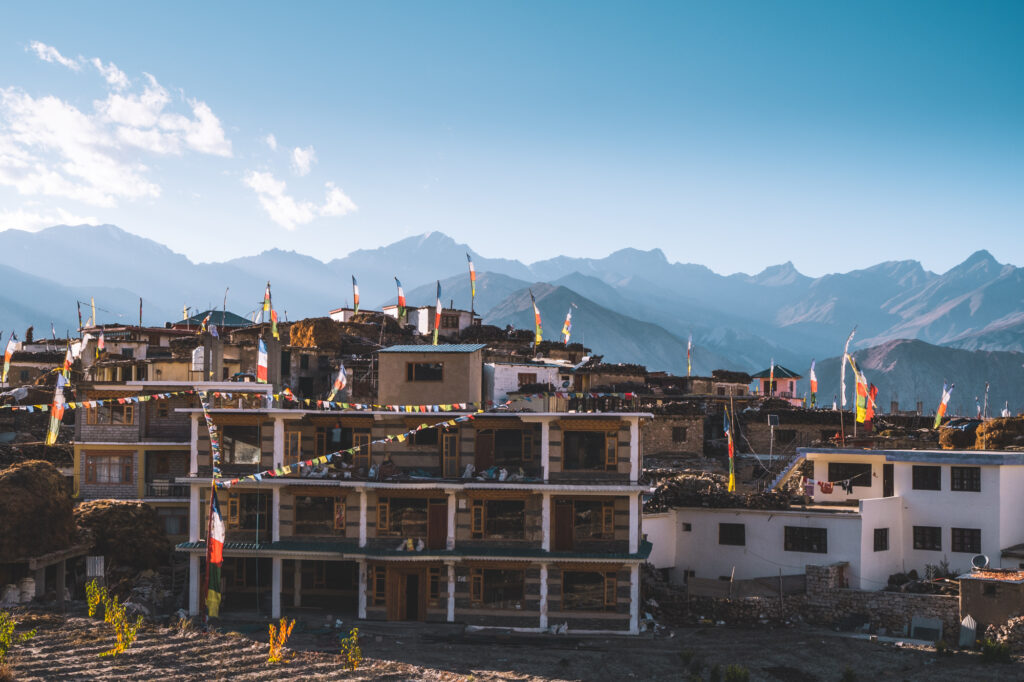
(407, 597)
(563, 526)
(437, 525)
(484, 450)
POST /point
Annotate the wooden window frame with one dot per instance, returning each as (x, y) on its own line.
(126, 468)
(528, 455)
(340, 515)
(410, 372)
(478, 518)
(611, 585)
(291, 453)
(434, 585)
(92, 415)
(449, 454)
(234, 507)
(383, 516)
(476, 585)
(379, 585)
(363, 449)
(610, 598)
(608, 520)
(320, 442)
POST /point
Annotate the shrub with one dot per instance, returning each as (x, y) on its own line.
(278, 639)
(94, 596)
(351, 650)
(995, 652)
(125, 630)
(7, 637)
(736, 673)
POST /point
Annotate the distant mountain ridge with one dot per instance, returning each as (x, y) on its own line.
(742, 320)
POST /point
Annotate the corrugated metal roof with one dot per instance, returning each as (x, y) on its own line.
(780, 373)
(441, 348)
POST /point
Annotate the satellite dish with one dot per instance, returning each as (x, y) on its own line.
(980, 561)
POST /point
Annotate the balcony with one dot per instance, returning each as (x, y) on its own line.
(166, 490)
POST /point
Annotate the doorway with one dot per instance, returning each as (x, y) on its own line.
(437, 524)
(887, 480)
(563, 525)
(407, 595)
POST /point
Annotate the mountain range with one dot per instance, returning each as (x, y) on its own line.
(631, 306)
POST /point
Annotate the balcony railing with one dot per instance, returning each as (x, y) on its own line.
(166, 489)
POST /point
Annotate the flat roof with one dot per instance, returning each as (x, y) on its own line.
(440, 348)
(979, 457)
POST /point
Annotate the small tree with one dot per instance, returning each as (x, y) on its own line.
(125, 630)
(351, 650)
(278, 639)
(95, 595)
(7, 637)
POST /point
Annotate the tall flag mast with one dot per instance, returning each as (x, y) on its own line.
(268, 307)
(472, 286)
(728, 435)
(842, 365)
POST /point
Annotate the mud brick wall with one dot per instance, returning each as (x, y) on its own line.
(660, 436)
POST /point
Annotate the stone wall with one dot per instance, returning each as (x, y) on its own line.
(673, 434)
(830, 602)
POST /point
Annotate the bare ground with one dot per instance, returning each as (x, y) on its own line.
(69, 648)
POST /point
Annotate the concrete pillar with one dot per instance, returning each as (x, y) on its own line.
(362, 589)
(275, 514)
(275, 588)
(545, 521)
(193, 461)
(193, 584)
(278, 454)
(545, 448)
(451, 520)
(193, 513)
(634, 523)
(362, 518)
(543, 596)
(40, 577)
(634, 599)
(297, 583)
(634, 449)
(451, 592)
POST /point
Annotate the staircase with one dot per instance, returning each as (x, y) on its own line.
(787, 472)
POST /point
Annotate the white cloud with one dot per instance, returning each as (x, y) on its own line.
(338, 203)
(303, 159)
(282, 208)
(33, 221)
(271, 141)
(50, 147)
(50, 54)
(113, 75)
(290, 213)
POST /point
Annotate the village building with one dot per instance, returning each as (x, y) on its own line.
(778, 384)
(503, 379)
(453, 320)
(879, 512)
(516, 520)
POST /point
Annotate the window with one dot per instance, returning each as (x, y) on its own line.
(108, 469)
(497, 588)
(721, 390)
(785, 435)
(380, 581)
(240, 444)
(24, 375)
(966, 540)
(732, 534)
(319, 515)
(881, 539)
(965, 478)
(449, 321)
(857, 474)
(404, 517)
(118, 415)
(303, 362)
(527, 378)
(175, 520)
(678, 434)
(163, 410)
(449, 454)
(588, 590)
(434, 585)
(249, 511)
(128, 352)
(928, 537)
(424, 437)
(687, 527)
(292, 445)
(589, 450)
(927, 478)
(340, 438)
(593, 520)
(161, 464)
(800, 539)
(499, 519)
(424, 371)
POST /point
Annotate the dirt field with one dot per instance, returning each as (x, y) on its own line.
(68, 649)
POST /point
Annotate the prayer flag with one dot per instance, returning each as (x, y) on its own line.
(872, 394)
(814, 384)
(214, 557)
(13, 345)
(842, 367)
(771, 378)
(401, 299)
(946, 391)
(56, 411)
(567, 327)
(728, 435)
(101, 344)
(472, 279)
(92, 301)
(261, 363)
(862, 391)
(268, 307)
(689, 352)
(437, 313)
(339, 383)
(538, 331)
(355, 295)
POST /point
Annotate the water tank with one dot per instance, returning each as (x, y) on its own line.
(197, 359)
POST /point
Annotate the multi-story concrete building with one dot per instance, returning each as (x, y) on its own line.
(521, 520)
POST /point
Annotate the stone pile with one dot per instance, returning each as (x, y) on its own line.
(1010, 633)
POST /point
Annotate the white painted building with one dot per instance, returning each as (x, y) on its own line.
(907, 509)
(502, 378)
(453, 320)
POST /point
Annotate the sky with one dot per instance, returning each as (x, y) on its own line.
(734, 134)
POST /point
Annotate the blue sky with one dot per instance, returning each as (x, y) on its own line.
(733, 134)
